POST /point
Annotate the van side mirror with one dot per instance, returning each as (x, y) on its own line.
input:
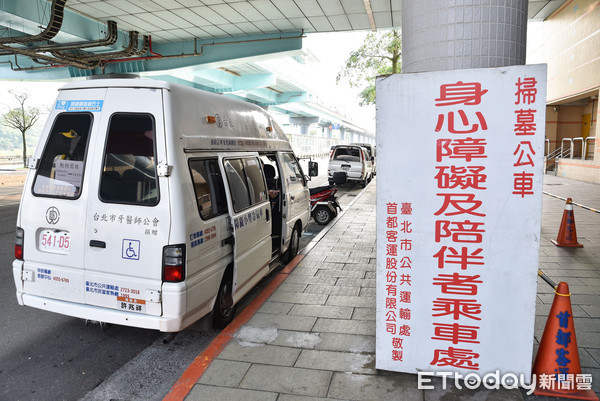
(313, 169)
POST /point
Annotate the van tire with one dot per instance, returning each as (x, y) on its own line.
(294, 246)
(224, 309)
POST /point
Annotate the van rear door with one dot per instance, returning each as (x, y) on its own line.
(128, 208)
(250, 213)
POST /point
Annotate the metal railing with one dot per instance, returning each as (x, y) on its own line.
(558, 153)
(576, 155)
(590, 140)
(564, 151)
(569, 150)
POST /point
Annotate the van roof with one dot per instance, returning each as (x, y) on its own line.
(117, 83)
(236, 125)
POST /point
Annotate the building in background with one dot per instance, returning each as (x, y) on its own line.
(569, 42)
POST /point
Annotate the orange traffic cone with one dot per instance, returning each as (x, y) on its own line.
(567, 234)
(556, 368)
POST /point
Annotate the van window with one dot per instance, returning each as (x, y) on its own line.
(209, 188)
(293, 172)
(129, 169)
(60, 173)
(246, 182)
(347, 154)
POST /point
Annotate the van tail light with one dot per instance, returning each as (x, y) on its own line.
(174, 263)
(19, 240)
(364, 167)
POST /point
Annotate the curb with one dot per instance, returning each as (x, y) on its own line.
(197, 368)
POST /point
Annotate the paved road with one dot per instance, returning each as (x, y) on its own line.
(48, 356)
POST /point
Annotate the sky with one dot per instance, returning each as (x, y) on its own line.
(331, 49)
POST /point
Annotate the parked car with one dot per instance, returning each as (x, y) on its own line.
(353, 162)
(372, 153)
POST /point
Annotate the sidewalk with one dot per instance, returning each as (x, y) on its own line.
(314, 338)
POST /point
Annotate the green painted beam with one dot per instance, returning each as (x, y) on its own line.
(26, 17)
(214, 52)
(181, 81)
(267, 97)
(232, 83)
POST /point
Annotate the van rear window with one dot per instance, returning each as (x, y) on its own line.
(60, 173)
(347, 154)
(129, 168)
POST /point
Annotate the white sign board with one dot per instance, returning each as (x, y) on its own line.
(459, 187)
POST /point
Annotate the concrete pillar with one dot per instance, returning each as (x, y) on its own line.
(449, 34)
(304, 123)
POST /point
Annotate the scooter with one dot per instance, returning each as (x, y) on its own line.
(323, 204)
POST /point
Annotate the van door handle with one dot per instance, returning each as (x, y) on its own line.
(98, 244)
(267, 214)
(227, 241)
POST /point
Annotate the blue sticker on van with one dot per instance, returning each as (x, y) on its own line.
(130, 249)
(196, 239)
(79, 105)
(101, 288)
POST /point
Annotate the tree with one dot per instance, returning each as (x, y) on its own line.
(21, 118)
(380, 54)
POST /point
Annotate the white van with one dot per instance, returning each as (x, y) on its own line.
(148, 204)
(352, 162)
(372, 154)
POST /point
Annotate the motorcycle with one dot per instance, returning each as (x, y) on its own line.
(323, 204)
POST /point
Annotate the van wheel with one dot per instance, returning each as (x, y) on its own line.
(363, 184)
(322, 215)
(224, 309)
(292, 250)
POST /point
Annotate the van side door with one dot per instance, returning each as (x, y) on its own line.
(297, 197)
(250, 214)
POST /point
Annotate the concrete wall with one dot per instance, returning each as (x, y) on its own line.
(569, 42)
(583, 170)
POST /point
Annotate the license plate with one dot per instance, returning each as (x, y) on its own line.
(346, 167)
(55, 241)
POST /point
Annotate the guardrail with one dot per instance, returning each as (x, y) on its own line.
(590, 140)
(576, 155)
(570, 149)
(10, 160)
